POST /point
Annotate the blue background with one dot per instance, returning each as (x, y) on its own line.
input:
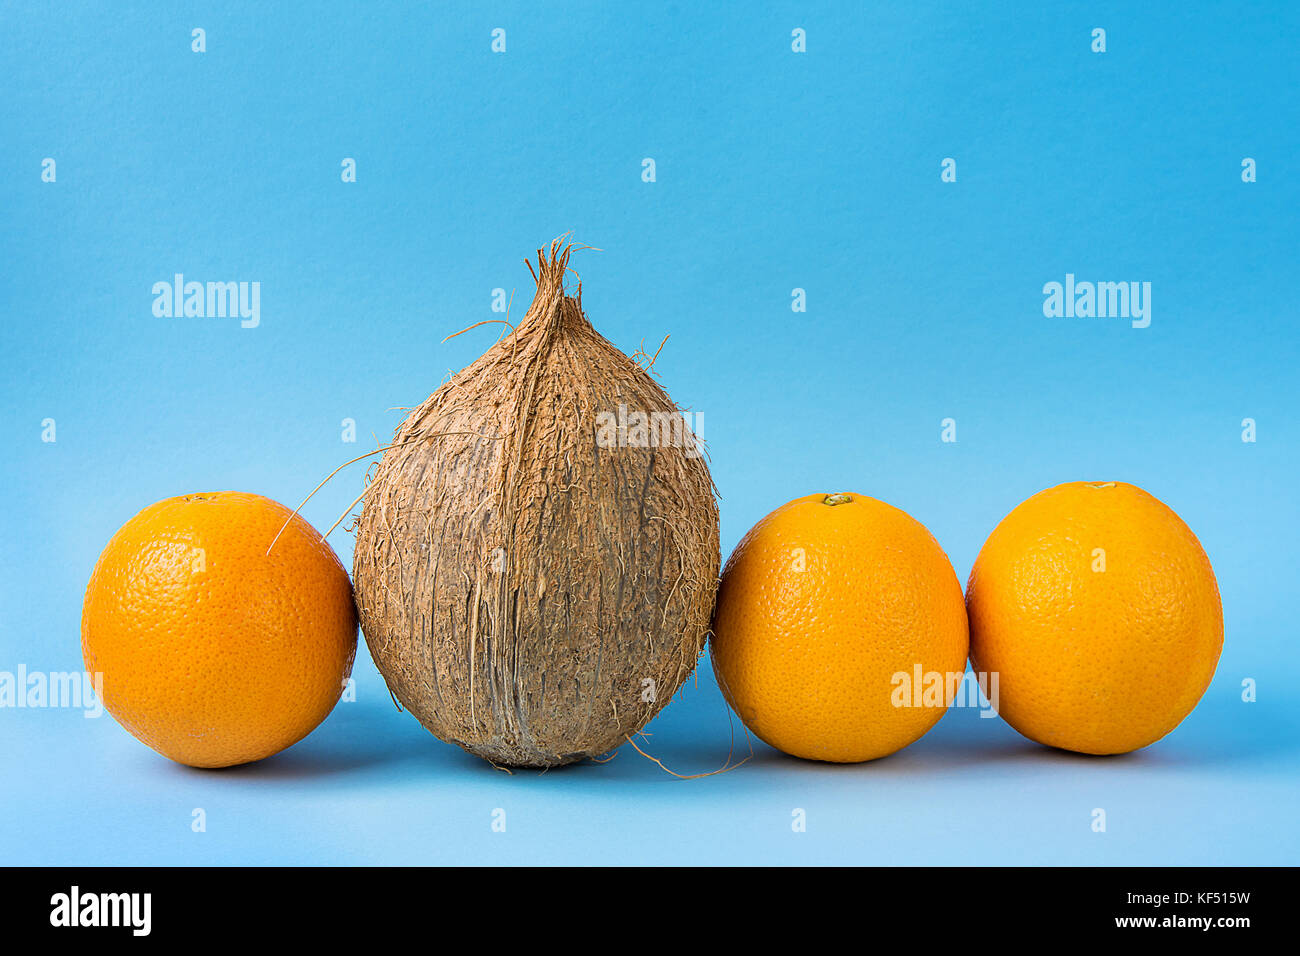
(775, 170)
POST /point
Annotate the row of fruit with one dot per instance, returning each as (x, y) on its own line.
(1092, 622)
(536, 576)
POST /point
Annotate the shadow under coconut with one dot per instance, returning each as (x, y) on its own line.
(690, 758)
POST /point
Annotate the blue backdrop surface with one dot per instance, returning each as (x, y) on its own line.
(127, 156)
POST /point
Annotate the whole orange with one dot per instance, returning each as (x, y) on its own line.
(1098, 610)
(211, 651)
(827, 609)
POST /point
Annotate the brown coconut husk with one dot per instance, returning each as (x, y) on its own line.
(527, 592)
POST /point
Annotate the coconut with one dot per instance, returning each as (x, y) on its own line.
(537, 553)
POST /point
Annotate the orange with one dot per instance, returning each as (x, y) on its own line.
(211, 651)
(1098, 610)
(827, 611)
